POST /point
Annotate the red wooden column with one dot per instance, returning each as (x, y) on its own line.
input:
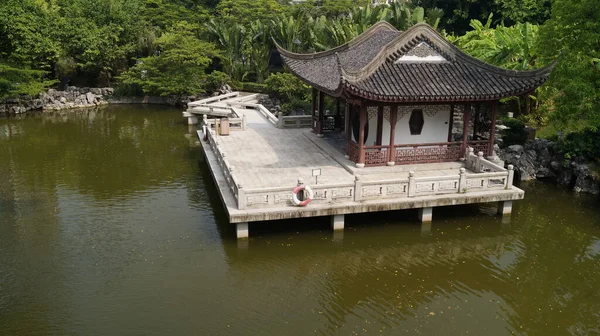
(338, 114)
(361, 135)
(451, 123)
(379, 139)
(393, 119)
(321, 112)
(466, 120)
(349, 113)
(313, 109)
(493, 128)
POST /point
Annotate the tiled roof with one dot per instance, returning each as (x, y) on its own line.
(417, 65)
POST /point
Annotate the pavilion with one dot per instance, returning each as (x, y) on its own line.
(403, 90)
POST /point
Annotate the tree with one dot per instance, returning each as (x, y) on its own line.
(17, 81)
(28, 32)
(245, 11)
(573, 97)
(230, 37)
(532, 11)
(179, 69)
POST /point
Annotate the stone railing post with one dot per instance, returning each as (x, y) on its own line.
(280, 121)
(412, 184)
(357, 188)
(462, 181)
(244, 122)
(511, 176)
(478, 162)
(241, 197)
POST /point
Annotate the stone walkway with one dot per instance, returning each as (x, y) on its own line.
(264, 156)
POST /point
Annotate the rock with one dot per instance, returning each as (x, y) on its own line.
(96, 91)
(90, 97)
(63, 100)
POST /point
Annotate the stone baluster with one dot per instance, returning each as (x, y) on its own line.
(241, 197)
(357, 188)
(412, 185)
(478, 162)
(511, 176)
(462, 182)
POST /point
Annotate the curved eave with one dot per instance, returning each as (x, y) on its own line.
(358, 92)
(334, 93)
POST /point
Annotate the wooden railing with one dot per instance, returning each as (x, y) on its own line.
(428, 152)
(480, 146)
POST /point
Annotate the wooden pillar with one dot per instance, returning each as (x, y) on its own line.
(313, 109)
(451, 123)
(476, 122)
(361, 135)
(493, 128)
(379, 140)
(393, 119)
(348, 121)
(338, 114)
(321, 112)
(466, 120)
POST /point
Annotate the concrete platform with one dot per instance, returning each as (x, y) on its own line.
(256, 170)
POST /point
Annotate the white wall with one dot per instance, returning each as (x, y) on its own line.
(435, 127)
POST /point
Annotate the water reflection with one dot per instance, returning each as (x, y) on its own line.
(110, 224)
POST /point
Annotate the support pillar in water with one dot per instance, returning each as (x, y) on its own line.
(242, 230)
(337, 222)
(193, 120)
(505, 207)
(426, 214)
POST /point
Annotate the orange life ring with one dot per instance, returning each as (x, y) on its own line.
(298, 202)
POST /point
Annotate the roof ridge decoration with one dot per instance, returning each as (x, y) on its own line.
(422, 32)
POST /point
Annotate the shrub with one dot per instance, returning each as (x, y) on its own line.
(254, 87)
(215, 80)
(582, 144)
(287, 87)
(516, 134)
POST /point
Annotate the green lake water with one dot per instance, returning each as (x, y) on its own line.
(110, 225)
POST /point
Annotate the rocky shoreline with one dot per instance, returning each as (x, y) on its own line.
(539, 159)
(76, 97)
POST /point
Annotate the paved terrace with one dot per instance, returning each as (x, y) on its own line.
(257, 166)
(264, 156)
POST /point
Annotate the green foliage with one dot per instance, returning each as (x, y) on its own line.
(230, 37)
(516, 134)
(533, 11)
(28, 31)
(215, 80)
(245, 11)
(580, 144)
(287, 87)
(17, 81)
(573, 95)
(254, 87)
(178, 70)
